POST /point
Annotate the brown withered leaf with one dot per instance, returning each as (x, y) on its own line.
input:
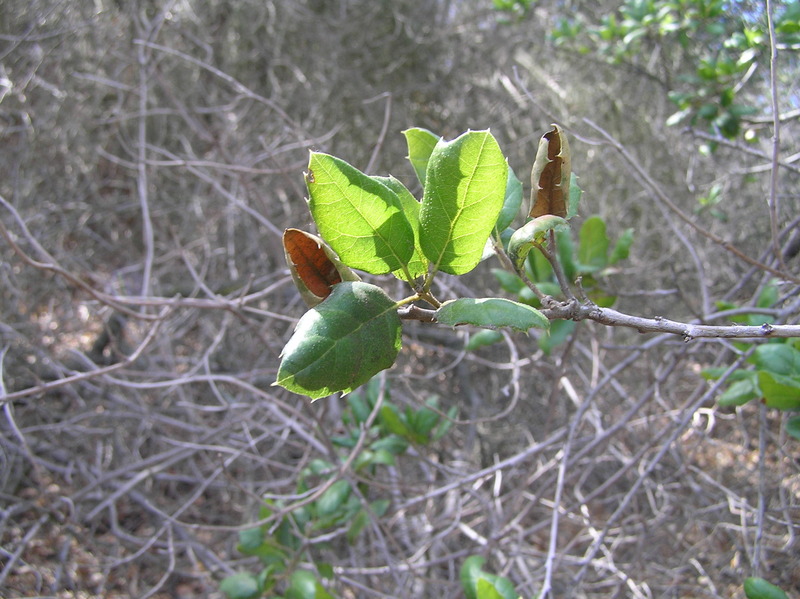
(550, 175)
(311, 267)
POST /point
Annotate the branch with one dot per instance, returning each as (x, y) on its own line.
(572, 310)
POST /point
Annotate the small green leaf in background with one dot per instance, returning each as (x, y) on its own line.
(464, 192)
(304, 585)
(574, 199)
(511, 203)
(341, 343)
(622, 247)
(740, 392)
(758, 588)
(359, 217)
(793, 427)
(593, 249)
(333, 498)
(524, 238)
(490, 313)
(242, 585)
(560, 330)
(418, 265)
(483, 338)
(420, 144)
(478, 584)
(486, 590)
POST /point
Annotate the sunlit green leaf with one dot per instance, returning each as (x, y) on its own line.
(359, 217)
(418, 265)
(420, 144)
(464, 192)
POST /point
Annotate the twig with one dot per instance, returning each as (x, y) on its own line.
(83, 376)
(664, 198)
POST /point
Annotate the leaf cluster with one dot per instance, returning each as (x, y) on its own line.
(471, 198)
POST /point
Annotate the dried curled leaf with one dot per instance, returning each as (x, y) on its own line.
(314, 266)
(550, 177)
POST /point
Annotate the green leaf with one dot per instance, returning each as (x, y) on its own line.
(740, 392)
(420, 144)
(777, 357)
(341, 343)
(469, 575)
(304, 585)
(423, 421)
(464, 191)
(240, 586)
(418, 265)
(574, 198)
(593, 249)
(524, 238)
(758, 588)
(793, 427)
(393, 422)
(511, 203)
(359, 406)
(491, 312)
(781, 392)
(333, 498)
(622, 248)
(486, 590)
(394, 444)
(560, 330)
(483, 338)
(360, 218)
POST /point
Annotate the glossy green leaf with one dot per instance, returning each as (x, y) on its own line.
(511, 203)
(779, 391)
(304, 585)
(593, 249)
(491, 313)
(359, 217)
(420, 144)
(524, 238)
(341, 343)
(758, 588)
(464, 192)
(333, 498)
(418, 265)
(240, 586)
